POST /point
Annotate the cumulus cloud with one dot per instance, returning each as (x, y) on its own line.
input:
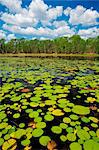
(43, 21)
(81, 15)
(58, 24)
(2, 34)
(45, 32)
(36, 12)
(13, 5)
(10, 37)
(19, 19)
(91, 32)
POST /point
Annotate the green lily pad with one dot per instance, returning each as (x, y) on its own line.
(57, 112)
(22, 125)
(56, 129)
(37, 132)
(74, 117)
(44, 140)
(33, 114)
(91, 145)
(1, 141)
(63, 138)
(41, 125)
(66, 120)
(81, 110)
(82, 134)
(48, 117)
(63, 125)
(17, 115)
(75, 146)
(25, 142)
(71, 136)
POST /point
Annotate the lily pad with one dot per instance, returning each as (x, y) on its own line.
(56, 129)
(71, 136)
(57, 112)
(37, 132)
(44, 140)
(48, 117)
(25, 142)
(81, 110)
(75, 146)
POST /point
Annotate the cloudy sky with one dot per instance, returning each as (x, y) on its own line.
(48, 19)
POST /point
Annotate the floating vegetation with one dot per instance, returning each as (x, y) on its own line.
(49, 104)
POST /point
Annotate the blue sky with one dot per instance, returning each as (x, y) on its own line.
(48, 19)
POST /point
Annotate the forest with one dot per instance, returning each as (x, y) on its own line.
(67, 45)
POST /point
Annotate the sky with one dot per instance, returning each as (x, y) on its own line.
(48, 19)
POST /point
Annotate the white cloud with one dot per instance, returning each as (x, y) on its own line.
(10, 37)
(58, 24)
(18, 19)
(2, 34)
(81, 15)
(13, 5)
(44, 32)
(37, 11)
(87, 33)
(41, 20)
(67, 11)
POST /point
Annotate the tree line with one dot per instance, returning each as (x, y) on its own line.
(74, 44)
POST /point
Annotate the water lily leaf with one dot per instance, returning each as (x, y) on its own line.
(7, 136)
(82, 110)
(69, 129)
(74, 117)
(56, 129)
(97, 132)
(41, 125)
(85, 119)
(48, 117)
(25, 142)
(44, 140)
(50, 102)
(17, 115)
(82, 134)
(3, 125)
(1, 141)
(95, 120)
(91, 145)
(19, 133)
(38, 119)
(63, 138)
(94, 125)
(75, 146)
(66, 120)
(33, 114)
(63, 125)
(57, 112)
(11, 143)
(37, 132)
(22, 125)
(71, 136)
(33, 104)
(91, 99)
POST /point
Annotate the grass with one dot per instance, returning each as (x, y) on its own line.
(49, 55)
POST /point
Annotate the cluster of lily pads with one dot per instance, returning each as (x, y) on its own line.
(49, 104)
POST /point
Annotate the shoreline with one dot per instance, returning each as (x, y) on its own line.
(48, 55)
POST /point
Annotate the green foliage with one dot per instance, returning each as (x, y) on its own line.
(44, 140)
(56, 129)
(74, 44)
(75, 146)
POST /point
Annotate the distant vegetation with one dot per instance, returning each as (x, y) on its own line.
(74, 44)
